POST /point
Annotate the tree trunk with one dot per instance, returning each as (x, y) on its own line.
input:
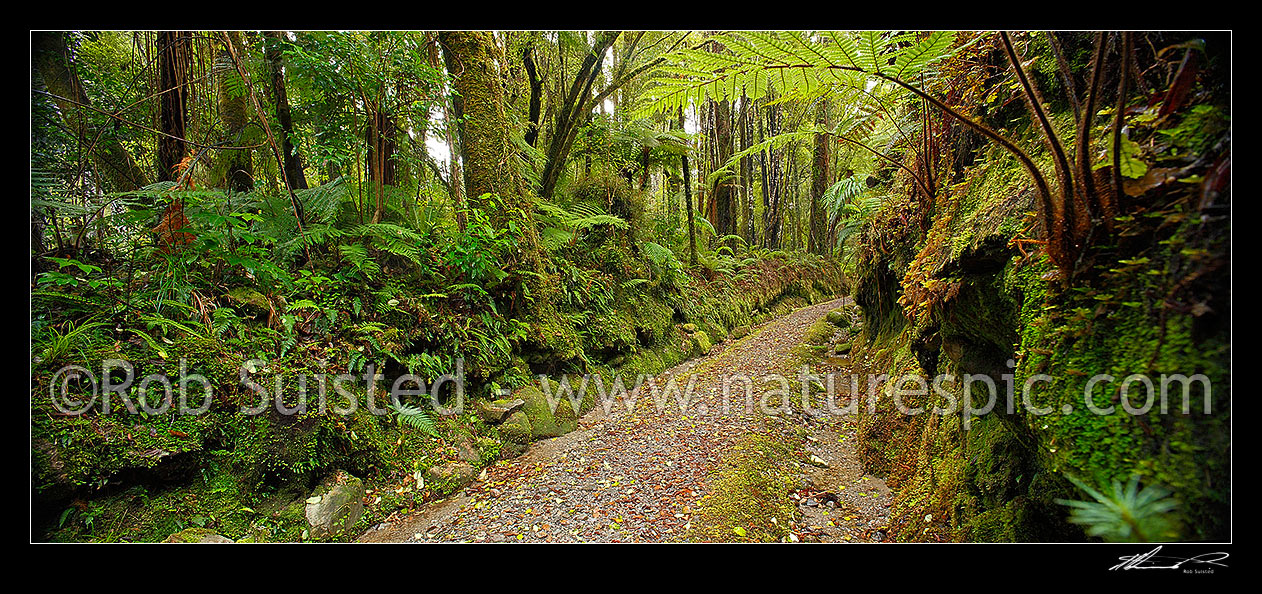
(175, 53)
(490, 162)
(237, 168)
(117, 171)
(692, 229)
(455, 177)
(769, 162)
(723, 191)
(280, 98)
(819, 183)
(578, 102)
(536, 95)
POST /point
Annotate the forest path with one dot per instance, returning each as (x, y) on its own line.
(636, 475)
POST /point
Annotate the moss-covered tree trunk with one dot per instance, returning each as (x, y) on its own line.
(723, 190)
(236, 169)
(280, 99)
(491, 168)
(819, 184)
(486, 147)
(115, 169)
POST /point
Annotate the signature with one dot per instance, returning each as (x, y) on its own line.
(1151, 560)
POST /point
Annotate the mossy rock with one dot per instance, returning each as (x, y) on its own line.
(740, 332)
(544, 422)
(495, 411)
(842, 349)
(251, 300)
(197, 536)
(690, 328)
(335, 506)
(838, 318)
(701, 342)
(449, 477)
(516, 429)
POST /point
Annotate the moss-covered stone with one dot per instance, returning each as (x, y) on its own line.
(449, 477)
(701, 342)
(546, 422)
(516, 429)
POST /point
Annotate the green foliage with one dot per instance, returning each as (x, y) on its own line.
(477, 251)
(57, 345)
(790, 64)
(1124, 514)
(415, 417)
(666, 267)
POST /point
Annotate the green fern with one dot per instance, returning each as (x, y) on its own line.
(415, 417)
(790, 64)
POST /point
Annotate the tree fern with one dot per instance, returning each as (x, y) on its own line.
(792, 64)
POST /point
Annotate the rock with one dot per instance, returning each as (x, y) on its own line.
(250, 300)
(516, 429)
(690, 328)
(465, 450)
(197, 536)
(701, 341)
(450, 476)
(740, 332)
(816, 460)
(842, 348)
(838, 318)
(335, 506)
(544, 421)
(496, 411)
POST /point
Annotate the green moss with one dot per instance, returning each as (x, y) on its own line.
(749, 500)
(701, 342)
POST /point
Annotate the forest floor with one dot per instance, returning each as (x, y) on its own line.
(637, 473)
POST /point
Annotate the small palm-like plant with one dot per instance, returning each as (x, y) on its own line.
(1124, 514)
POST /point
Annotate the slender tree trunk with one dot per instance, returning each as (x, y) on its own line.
(238, 169)
(819, 183)
(174, 64)
(577, 104)
(724, 189)
(280, 98)
(536, 96)
(747, 174)
(455, 176)
(769, 161)
(692, 228)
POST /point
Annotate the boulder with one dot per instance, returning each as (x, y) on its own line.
(690, 328)
(838, 318)
(740, 332)
(197, 536)
(495, 411)
(544, 422)
(701, 342)
(335, 506)
(842, 348)
(450, 476)
(516, 429)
